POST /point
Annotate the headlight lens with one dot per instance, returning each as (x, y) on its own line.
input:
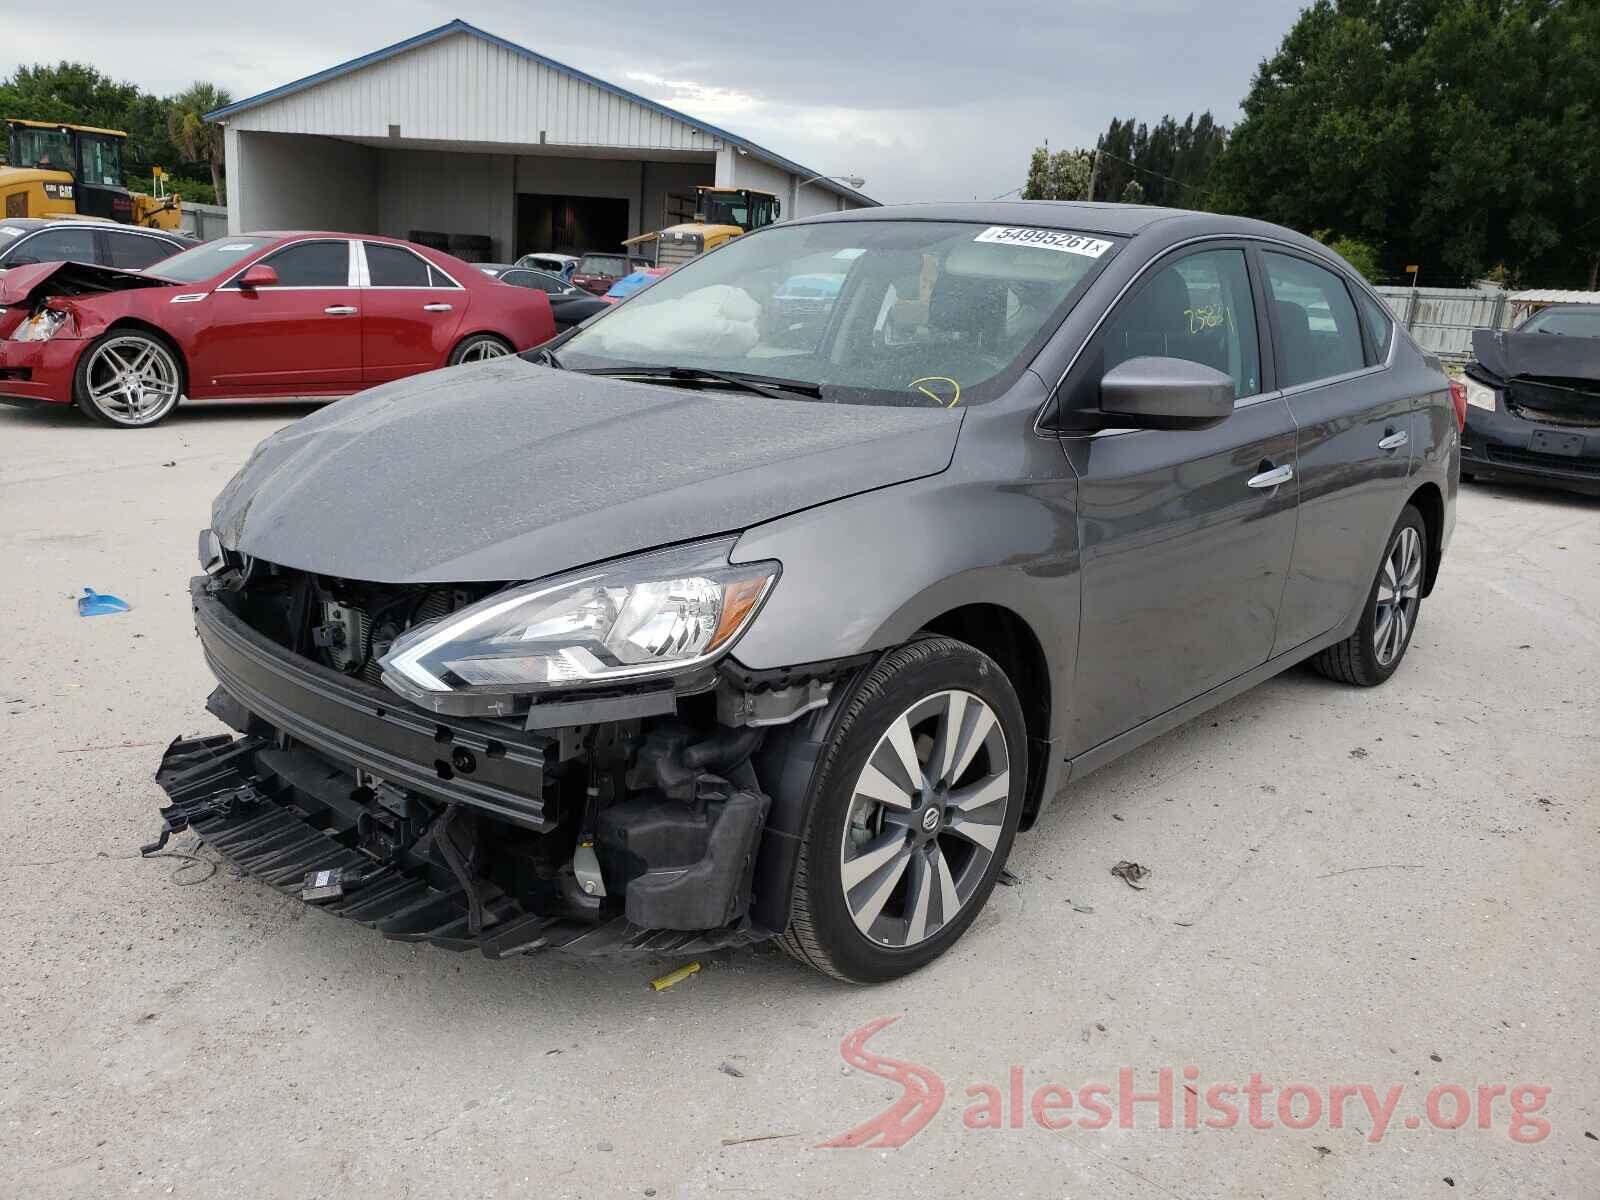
(40, 327)
(654, 614)
(1481, 395)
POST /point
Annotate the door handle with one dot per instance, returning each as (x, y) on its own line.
(1394, 441)
(340, 310)
(1272, 478)
(436, 308)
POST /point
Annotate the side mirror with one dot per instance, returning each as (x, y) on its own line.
(1165, 393)
(259, 276)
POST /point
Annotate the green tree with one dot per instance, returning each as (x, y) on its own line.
(1363, 256)
(1172, 162)
(200, 140)
(1457, 134)
(1063, 175)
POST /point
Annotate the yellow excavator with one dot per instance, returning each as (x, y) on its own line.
(76, 170)
(721, 214)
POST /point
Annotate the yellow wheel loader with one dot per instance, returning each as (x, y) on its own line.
(721, 214)
(76, 170)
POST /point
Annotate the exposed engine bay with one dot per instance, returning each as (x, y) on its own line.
(642, 820)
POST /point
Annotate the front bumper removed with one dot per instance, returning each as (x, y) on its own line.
(287, 817)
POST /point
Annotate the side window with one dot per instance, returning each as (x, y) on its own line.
(392, 266)
(1380, 325)
(1318, 336)
(56, 245)
(437, 278)
(135, 251)
(312, 264)
(1198, 308)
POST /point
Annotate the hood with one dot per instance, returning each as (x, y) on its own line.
(21, 286)
(510, 471)
(1537, 355)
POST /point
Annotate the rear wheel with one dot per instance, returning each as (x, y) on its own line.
(128, 378)
(478, 348)
(1373, 652)
(916, 804)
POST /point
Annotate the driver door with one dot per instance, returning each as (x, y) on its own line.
(1185, 536)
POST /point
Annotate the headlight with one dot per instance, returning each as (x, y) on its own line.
(656, 614)
(40, 327)
(1481, 395)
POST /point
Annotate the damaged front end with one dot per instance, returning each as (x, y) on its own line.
(1533, 409)
(494, 767)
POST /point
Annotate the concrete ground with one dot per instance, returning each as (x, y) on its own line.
(1391, 887)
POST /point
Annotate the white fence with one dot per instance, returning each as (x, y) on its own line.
(1442, 319)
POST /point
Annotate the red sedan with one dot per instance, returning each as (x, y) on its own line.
(262, 315)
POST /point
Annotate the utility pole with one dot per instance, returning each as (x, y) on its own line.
(1094, 172)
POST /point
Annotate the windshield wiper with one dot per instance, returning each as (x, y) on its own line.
(546, 358)
(761, 385)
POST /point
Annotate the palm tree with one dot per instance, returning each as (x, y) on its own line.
(199, 140)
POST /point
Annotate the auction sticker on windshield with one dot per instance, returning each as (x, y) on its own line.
(1045, 239)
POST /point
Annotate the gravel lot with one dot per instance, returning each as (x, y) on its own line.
(1389, 887)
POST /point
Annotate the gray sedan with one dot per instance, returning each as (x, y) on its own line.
(728, 616)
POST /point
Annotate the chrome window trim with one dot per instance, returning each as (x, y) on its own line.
(1328, 380)
(1200, 239)
(364, 276)
(228, 285)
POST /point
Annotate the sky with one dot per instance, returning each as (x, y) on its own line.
(939, 100)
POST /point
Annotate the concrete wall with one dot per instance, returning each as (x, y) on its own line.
(448, 192)
(280, 181)
(746, 170)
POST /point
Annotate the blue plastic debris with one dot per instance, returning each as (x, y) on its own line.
(99, 604)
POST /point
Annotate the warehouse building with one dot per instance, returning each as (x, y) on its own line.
(459, 135)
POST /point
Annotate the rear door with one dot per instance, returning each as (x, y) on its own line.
(1354, 438)
(1184, 536)
(410, 312)
(302, 337)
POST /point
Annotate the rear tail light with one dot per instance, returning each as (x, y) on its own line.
(1458, 397)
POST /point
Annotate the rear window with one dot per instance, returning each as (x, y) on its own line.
(393, 266)
(1318, 334)
(602, 264)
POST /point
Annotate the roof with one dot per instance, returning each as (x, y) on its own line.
(1554, 296)
(459, 26)
(65, 125)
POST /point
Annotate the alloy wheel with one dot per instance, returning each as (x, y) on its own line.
(480, 351)
(1399, 593)
(132, 380)
(927, 811)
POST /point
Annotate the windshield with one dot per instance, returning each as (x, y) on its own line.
(213, 258)
(1572, 322)
(872, 312)
(102, 161)
(46, 149)
(602, 264)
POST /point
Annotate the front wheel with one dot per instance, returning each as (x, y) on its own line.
(478, 348)
(1373, 652)
(128, 378)
(916, 803)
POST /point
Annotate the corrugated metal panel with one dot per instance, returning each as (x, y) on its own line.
(462, 88)
(1441, 320)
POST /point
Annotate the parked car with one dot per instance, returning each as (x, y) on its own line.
(302, 315)
(569, 305)
(634, 281)
(597, 272)
(1533, 398)
(556, 264)
(684, 639)
(28, 240)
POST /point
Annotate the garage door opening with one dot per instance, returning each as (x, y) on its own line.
(569, 224)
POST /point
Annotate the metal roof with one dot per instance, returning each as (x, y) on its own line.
(459, 26)
(1554, 296)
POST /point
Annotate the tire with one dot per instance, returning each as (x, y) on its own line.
(128, 378)
(479, 347)
(1371, 654)
(928, 868)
